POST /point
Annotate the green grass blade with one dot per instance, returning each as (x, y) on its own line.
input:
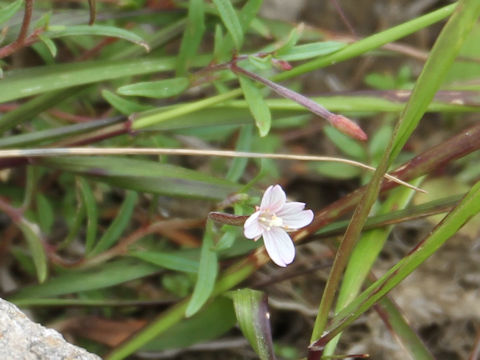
(33, 107)
(58, 31)
(171, 261)
(38, 80)
(106, 275)
(366, 252)
(192, 36)
(62, 132)
(252, 314)
(370, 43)
(257, 105)
(118, 226)
(146, 176)
(124, 106)
(8, 11)
(32, 235)
(243, 144)
(156, 89)
(448, 227)
(231, 21)
(91, 212)
(219, 316)
(442, 56)
(408, 117)
(400, 327)
(207, 273)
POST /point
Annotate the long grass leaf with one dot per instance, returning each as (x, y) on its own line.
(207, 273)
(230, 20)
(118, 226)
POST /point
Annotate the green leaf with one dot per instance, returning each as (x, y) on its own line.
(230, 20)
(207, 273)
(45, 213)
(217, 43)
(345, 143)
(145, 176)
(448, 227)
(252, 314)
(52, 48)
(40, 79)
(257, 105)
(379, 141)
(172, 261)
(104, 276)
(57, 31)
(118, 226)
(243, 144)
(439, 62)
(8, 11)
(33, 237)
(156, 89)
(124, 106)
(366, 252)
(91, 211)
(192, 35)
(308, 51)
(337, 171)
(291, 41)
(212, 322)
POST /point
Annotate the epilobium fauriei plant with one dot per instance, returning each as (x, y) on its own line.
(273, 219)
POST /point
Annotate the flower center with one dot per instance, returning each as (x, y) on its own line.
(270, 220)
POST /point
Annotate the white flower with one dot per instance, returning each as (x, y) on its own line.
(273, 219)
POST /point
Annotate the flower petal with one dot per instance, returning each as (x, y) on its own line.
(297, 220)
(251, 228)
(279, 246)
(291, 207)
(273, 199)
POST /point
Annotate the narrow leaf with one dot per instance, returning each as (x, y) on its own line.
(40, 79)
(33, 237)
(171, 261)
(91, 211)
(57, 31)
(52, 48)
(217, 318)
(312, 50)
(8, 11)
(146, 176)
(230, 20)
(257, 105)
(124, 106)
(468, 207)
(243, 144)
(45, 213)
(156, 89)
(118, 226)
(254, 319)
(440, 59)
(106, 275)
(192, 35)
(207, 273)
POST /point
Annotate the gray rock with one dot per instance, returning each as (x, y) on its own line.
(22, 339)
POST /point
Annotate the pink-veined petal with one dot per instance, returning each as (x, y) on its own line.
(251, 228)
(291, 207)
(279, 246)
(297, 220)
(273, 199)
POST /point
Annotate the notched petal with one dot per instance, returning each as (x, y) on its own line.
(279, 246)
(273, 199)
